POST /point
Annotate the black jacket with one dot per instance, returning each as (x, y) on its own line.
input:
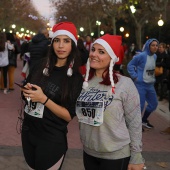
(38, 49)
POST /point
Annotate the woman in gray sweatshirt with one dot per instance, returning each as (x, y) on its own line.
(108, 110)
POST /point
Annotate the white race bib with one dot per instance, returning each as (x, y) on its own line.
(90, 112)
(35, 109)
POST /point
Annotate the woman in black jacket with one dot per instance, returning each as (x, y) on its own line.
(53, 88)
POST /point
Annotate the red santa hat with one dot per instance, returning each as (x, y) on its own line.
(65, 28)
(112, 44)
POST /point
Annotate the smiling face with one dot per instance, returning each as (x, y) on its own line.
(99, 59)
(62, 48)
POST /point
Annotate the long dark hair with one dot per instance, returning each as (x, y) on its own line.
(68, 88)
(2, 41)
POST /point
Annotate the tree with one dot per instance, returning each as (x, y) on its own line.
(85, 13)
(81, 12)
(113, 9)
(17, 12)
(145, 10)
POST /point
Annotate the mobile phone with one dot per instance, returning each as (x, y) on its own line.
(20, 85)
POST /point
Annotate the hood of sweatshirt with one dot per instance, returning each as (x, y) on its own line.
(146, 47)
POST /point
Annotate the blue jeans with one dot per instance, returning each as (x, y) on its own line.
(147, 94)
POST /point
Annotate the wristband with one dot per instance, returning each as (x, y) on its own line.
(46, 101)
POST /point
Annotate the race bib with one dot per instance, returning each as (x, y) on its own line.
(90, 112)
(35, 109)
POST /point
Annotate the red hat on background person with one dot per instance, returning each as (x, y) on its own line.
(112, 44)
(65, 28)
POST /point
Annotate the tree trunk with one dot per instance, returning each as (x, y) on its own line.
(114, 25)
(138, 34)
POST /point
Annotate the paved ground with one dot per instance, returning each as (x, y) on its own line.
(156, 146)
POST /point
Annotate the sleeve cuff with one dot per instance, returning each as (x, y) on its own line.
(136, 158)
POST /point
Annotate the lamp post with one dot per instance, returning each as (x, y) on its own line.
(121, 29)
(98, 23)
(102, 32)
(160, 24)
(133, 9)
(81, 30)
(22, 29)
(92, 34)
(13, 27)
(127, 35)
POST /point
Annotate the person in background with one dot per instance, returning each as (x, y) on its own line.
(12, 60)
(88, 42)
(17, 40)
(84, 54)
(38, 48)
(108, 109)
(5, 45)
(52, 92)
(118, 65)
(132, 51)
(24, 49)
(161, 80)
(141, 69)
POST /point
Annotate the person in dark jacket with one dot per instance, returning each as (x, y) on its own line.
(53, 89)
(38, 48)
(161, 80)
(84, 54)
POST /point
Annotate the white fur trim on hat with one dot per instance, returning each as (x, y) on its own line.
(108, 49)
(70, 69)
(111, 77)
(85, 83)
(64, 32)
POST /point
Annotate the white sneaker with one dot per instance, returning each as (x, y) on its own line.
(147, 125)
(6, 91)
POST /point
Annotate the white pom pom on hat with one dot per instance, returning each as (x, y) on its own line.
(69, 29)
(112, 44)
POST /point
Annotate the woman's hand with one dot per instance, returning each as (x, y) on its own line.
(136, 167)
(34, 92)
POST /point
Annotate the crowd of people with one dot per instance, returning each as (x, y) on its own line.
(71, 76)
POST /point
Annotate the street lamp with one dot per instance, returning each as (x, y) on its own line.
(133, 9)
(22, 29)
(81, 30)
(92, 34)
(98, 23)
(160, 24)
(13, 26)
(127, 35)
(121, 29)
(101, 32)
